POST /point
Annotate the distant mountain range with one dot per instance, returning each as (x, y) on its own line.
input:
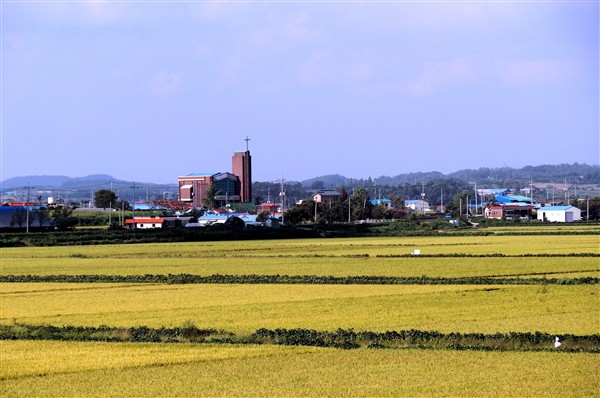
(64, 182)
(575, 173)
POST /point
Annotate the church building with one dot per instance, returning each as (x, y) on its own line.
(228, 187)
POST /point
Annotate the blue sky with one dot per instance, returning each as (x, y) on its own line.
(148, 91)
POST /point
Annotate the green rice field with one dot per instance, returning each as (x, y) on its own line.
(84, 368)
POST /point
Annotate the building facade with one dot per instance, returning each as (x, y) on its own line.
(228, 187)
(193, 187)
(559, 214)
(327, 197)
(241, 166)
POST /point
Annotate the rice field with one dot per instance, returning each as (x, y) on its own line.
(246, 308)
(337, 257)
(59, 368)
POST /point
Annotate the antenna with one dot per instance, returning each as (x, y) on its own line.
(247, 140)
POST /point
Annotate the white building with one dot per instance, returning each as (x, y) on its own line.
(559, 214)
(417, 205)
(145, 222)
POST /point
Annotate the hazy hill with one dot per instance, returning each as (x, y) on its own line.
(46, 181)
(575, 173)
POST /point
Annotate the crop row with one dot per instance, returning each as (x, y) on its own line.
(295, 279)
(220, 232)
(340, 338)
(489, 255)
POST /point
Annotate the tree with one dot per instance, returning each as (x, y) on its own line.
(195, 213)
(459, 204)
(42, 217)
(105, 198)
(63, 218)
(262, 216)
(18, 218)
(380, 212)
(594, 209)
(303, 212)
(208, 200)
(361, 204)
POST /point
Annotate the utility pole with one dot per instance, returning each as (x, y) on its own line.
(349, 208)
(27, 207)
(587, 210)
(476, 207)
(133, 206)
(282, 195)
(423, 197)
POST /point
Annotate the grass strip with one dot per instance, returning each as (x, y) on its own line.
(295, 279)
(340, 338)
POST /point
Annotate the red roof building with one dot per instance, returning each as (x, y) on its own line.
(145, 222)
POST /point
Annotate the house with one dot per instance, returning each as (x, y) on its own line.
(505, 199)
(559, 213)
(268, 207)
(509, 206)
(145, 222)
(382, 201)
(509, 210)
(417, 205)
(327, 197)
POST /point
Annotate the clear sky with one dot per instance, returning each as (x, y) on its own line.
(148, 91)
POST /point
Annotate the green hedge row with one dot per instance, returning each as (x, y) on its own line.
(9, 238)
(296, 279)
(103, 236)
(340, 338)
(348, 338)
(489, 255)
(186, 333)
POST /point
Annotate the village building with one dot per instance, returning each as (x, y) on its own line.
(327, 197)
(559, 213)
(268, 207)
(512, 210)
(382, 201)
(145, 222)
(417, 205)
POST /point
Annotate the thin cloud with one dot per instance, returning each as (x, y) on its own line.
(525, 72)
(325, 68)
(436, 77)
(163, 84)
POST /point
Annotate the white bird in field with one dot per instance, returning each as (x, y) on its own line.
(556, 342)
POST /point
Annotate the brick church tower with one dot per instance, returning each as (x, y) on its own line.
(241, 166)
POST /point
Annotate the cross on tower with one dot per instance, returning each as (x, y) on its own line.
(247, 139)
